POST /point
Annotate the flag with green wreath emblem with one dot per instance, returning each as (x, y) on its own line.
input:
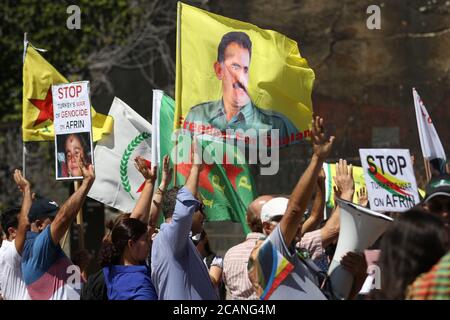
(118, 183)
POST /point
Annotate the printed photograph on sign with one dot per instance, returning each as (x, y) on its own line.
(390, 179)
(71, 148)
(73, 128)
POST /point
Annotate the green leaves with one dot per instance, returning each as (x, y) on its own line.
(126, 157)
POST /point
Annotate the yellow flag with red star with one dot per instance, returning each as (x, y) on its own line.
(37, 105)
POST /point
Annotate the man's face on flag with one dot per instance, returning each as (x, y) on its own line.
(74, 150)
(233, 72)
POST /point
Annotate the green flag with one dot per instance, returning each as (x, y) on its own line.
(226, 188)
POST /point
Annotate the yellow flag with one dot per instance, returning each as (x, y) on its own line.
(37, 111)
(275, 77)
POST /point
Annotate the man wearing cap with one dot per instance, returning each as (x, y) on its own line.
(437, 198)
(309, 239)
(15, 223)
(275, 269)
(48, 273)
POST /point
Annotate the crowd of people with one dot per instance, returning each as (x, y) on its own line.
(285, 256)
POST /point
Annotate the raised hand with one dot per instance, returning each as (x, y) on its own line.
(141, 165)
(321, 142)
(344, 180)
(363, 197)
(21, 182)
(166, 173)
(196, 154)
(86, 172)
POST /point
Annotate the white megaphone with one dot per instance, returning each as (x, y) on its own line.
(359, 229)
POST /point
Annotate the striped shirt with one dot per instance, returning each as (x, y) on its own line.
(312, 242)
(433, 285)
(234, 272)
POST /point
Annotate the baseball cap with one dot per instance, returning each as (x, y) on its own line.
(274, 207)
(42, 208)
(438, 186)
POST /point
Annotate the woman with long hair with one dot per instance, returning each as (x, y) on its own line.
(125, 275)
(412, 245)
(123, 256)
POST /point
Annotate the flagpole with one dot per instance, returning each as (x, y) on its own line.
(24, 148)
(427, 169)
(79, 220)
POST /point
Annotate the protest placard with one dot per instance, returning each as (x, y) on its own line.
(390, 179)
(73, 130)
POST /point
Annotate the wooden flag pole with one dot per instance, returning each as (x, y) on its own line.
(79, 220)
(427, 169)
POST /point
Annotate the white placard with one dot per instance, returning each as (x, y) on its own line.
(390, 179)
(73, 128)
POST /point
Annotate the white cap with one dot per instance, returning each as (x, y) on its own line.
(274, 207)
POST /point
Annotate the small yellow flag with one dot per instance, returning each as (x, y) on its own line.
(275, 77)
(37, 111)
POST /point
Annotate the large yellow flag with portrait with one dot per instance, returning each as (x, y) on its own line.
(37, 105)
(280, 80)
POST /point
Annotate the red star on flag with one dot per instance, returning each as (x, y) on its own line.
(204, 182)
(149, 165)
(45, 108)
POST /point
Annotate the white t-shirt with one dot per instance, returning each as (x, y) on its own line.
(11, 280)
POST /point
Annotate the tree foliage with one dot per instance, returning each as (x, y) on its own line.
(114, 33)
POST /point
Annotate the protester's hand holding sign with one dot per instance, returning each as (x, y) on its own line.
(87, 172)
(70, 208)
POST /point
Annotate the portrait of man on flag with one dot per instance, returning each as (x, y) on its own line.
(235, 109)
(238, 81)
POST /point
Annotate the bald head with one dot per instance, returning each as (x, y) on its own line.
(254, 213)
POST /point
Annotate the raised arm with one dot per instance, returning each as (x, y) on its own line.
(23, 225)
(192, 180)
(318, 206)
(186, 204)
(345, 187)
(301, 195)
(142, 209)
(70, 208)
(155, 208)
